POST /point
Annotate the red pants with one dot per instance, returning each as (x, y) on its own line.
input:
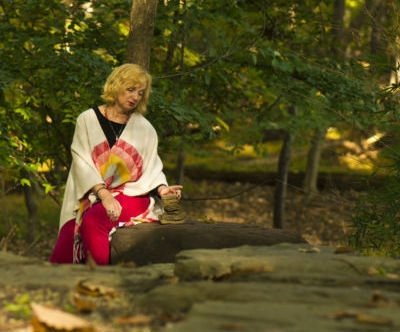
(95, 229)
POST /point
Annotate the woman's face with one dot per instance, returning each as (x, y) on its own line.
(129, 98)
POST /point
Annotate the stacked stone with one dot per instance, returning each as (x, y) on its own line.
(172, 211)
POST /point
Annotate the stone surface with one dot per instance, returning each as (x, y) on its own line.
(284, 287)
(155, 243)
(279, 288)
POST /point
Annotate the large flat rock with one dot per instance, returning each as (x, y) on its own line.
(279, 288)
(284, 287)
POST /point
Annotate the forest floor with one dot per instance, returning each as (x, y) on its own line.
(324, 219)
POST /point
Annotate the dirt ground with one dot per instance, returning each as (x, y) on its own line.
(323, 220)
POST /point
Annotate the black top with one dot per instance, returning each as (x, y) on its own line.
(111, 129)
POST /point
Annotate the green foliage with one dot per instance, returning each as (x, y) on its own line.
(52, 68)
(21, 307)
(376, 222)
(224, 69)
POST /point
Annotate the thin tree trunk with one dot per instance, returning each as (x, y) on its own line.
(31, 207)
(142, 22)
(314, 153)
(282, 179)
(313, 158)
(395, 74)
(181, 154)
(338, 28)
(180, 165)
(171, 44)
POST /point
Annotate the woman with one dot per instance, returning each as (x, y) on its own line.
(116, 174)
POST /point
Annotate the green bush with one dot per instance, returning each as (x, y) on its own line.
(376, 221)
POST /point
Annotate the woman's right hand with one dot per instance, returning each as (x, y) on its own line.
(110, 204)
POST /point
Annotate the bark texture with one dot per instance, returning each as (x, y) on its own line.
(313, 158)
(282, 178)
(142, 22)
(31, 207)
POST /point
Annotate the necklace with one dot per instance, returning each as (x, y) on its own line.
(110, 124)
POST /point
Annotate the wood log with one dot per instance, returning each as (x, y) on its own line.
(155, 243)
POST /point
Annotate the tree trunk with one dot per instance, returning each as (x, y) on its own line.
(395, 74)
(337, 27)
(281, 182)
(180, 165)
(31, 207)
(313, 157)
(314, 153)
(379, 43)
(142, 22)
(171, 44)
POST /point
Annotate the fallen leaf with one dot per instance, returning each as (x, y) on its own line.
(393, 276)
(86, 288)
(83, 304)
(378, 300)
(340, 314)
(372, 271)
(173, 280)
(134, 320)
(376, 320)
(344, 250)
(309, 250)
(46, 319)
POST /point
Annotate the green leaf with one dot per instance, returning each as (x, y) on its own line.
(25, 182)
(47, 187)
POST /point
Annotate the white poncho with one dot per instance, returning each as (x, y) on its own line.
(131, 166)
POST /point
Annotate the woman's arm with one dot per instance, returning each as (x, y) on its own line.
(111, 205)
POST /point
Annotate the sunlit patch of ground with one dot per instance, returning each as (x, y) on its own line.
(323, 220)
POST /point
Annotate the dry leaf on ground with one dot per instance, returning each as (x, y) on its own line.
(83, 304)
(372, 271)
(340, 314)
(48, 319)
(134, 320)
(371, 319)
(84, 287)
(378, 300)
(393, 276)
(309, 250)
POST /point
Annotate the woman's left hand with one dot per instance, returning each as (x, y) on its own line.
(171, 190)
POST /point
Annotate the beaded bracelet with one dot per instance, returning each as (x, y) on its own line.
(96, 192)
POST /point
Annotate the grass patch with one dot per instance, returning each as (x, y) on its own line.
(219, 157)
(14, 212)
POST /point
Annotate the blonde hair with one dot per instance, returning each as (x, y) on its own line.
(124, 77)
